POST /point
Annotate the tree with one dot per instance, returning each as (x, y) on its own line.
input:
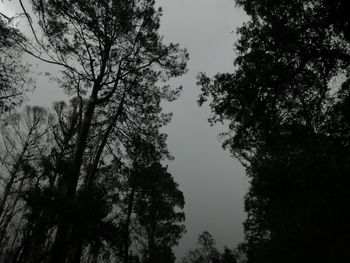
(115, 65)
(148, 213)
(206, 252)
(280, 103)
(113, 59)
(158, 209)
(98, 215)
(109, 218)
(24, 139)
(228, 256)
(14, 80)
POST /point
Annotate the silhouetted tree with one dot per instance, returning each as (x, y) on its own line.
(114, 61)
(134, 204)
(206, 252)
(287, 107)
(148, 212)
(14, 78)
(228, 256)
(24, 138)
(158, 210)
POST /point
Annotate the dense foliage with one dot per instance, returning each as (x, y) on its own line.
(83, 182)
(287, 105)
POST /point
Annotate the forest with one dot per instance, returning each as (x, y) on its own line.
(87, 180)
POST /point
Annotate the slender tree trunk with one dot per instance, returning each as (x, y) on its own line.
(93, 170)
(70, 182)
(13, 174)
(58, 251)
(6, 220)
(78, 250)
(63, 235)
(94, 167)
(127, 225)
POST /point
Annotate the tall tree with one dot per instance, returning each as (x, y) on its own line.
(110, 219)
(158, 209)
(112, 55)
(149, 208)
(292, 75)
(14, 78)
(23, 143)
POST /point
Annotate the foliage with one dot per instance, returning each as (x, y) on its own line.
(14, 80)
(206, 252)
(158, 209)
(113, 59)
(115, 66)
(287, 116)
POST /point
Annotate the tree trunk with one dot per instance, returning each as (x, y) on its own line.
(70, 182)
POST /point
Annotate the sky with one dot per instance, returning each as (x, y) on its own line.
(213, 182)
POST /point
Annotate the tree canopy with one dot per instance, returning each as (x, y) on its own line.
(14, 74)
(206, 252)
(287, 108)
(64, 202)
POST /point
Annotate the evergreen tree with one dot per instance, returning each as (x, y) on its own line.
(289, 127)
(158, 209)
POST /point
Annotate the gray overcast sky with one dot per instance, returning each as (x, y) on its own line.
(213, 182)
